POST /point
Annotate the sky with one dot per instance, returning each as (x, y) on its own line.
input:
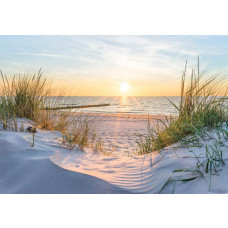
(99, 65)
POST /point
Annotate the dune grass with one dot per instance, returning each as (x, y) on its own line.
(209, 162)
(202, 117)
(28, 96)
(22, 96)
(202, 107)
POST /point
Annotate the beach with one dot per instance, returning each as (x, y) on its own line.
(45, 168)
(49, 167)
(120, 132)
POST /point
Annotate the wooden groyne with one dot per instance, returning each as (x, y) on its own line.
(76, 106)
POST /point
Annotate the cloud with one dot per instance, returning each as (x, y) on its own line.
(128, 57)
(42, 54)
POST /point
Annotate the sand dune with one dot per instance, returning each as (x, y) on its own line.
(24, 169)
(49, 168)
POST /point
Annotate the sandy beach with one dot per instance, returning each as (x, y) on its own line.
(120, 132)
(50, 168)
(115, 135)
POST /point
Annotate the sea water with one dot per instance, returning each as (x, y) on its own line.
(126, 104)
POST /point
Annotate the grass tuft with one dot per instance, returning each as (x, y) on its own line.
(202, 107)
(29, 96)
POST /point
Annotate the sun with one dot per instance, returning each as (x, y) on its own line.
(124, 87)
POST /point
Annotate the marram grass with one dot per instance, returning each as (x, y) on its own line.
(202, 107)
(28, 96)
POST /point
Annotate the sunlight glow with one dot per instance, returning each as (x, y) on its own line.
(124, 87)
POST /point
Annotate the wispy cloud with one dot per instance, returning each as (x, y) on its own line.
(42, 54)
(152, 60)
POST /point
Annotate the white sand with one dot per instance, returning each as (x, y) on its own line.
(120, 134)
(24, 169)
(50, 168)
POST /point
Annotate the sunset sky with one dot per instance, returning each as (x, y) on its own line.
(113, 65)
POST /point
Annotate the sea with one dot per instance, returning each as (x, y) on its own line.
(149, 105)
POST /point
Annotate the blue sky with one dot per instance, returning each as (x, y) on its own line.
(96, 65)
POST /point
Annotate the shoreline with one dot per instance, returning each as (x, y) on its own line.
(125, 115)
